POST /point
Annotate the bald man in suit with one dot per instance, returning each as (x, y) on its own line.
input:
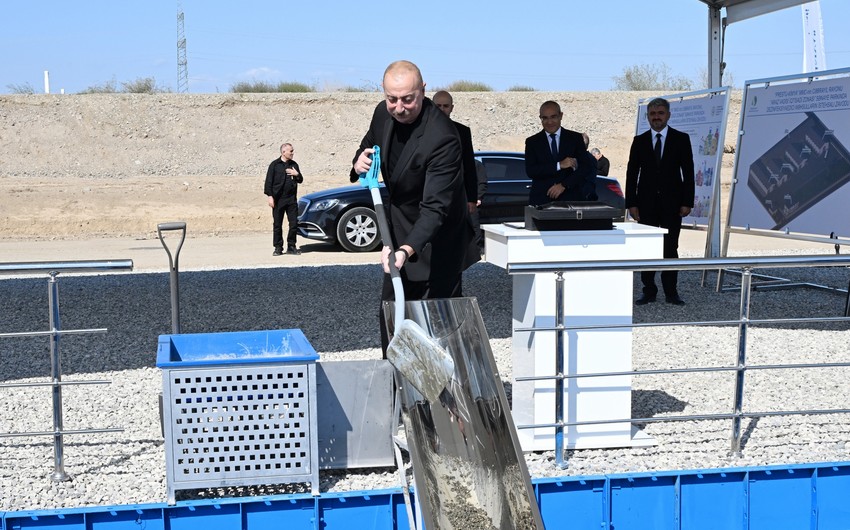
(557, 161)
(422, 167)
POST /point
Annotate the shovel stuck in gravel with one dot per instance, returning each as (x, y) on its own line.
(422, 362)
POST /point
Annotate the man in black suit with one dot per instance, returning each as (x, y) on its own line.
(444, 101)
(421, 166)
(557, 161)
(281, 188)
(603, 165)
(660, 190)
(472, 174)
(481, 190)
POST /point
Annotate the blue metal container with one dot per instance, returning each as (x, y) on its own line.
(238, 409)
(239, 347)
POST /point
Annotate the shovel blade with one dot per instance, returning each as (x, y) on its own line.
(423, 362)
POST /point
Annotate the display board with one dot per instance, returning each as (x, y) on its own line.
(792, 166)
(702, 115)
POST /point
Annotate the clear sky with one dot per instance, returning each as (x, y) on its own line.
(558, 45)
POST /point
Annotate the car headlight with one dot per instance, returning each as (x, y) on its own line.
(326, 204)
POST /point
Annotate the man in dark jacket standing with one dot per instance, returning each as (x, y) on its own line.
(281, 187)
(660, 190)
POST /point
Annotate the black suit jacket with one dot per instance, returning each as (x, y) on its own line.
(659, 190)
(470, 178)
(427, 201)
(542, 168)
(603, 165)
(281, 186)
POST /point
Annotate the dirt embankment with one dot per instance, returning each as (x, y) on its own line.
(81, 166)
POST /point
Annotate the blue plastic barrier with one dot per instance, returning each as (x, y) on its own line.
(799, 497)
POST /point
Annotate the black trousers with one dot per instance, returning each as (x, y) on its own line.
(291, 211)
(475, 218)
(443, 288)
(669, 279)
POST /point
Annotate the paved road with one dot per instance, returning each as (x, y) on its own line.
(255, 251)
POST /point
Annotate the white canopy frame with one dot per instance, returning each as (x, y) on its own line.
(735, 11)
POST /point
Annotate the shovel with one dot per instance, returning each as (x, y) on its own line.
(422, 362)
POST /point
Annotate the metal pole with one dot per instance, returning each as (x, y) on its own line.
(847, 298)
(746, 284)
(172, 268)
(47, 267)
(559, 369)
(847, 302)
(59, 474)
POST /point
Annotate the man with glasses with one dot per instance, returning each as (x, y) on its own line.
(557, 161)
(422, 169)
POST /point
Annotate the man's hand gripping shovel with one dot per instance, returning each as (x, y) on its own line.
(422, 362)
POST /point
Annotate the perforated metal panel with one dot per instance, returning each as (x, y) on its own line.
(240, 425)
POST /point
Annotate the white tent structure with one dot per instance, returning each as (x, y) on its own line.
(735, 11)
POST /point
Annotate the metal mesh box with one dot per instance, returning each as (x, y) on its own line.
(238, 409)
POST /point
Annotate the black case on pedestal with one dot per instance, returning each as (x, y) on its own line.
(571, 215)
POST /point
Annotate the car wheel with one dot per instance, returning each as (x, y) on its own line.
(357, 230)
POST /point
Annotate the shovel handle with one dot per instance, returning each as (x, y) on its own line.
(386, 239)
(370, 180)
(172, 266)
(174, 225)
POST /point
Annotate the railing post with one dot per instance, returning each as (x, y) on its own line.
(847, 302)
(59, 474)
(744, 318)
(559, 369)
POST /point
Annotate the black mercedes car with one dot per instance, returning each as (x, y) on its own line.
(345, 215)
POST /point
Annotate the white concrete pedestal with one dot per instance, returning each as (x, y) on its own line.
(590, 298)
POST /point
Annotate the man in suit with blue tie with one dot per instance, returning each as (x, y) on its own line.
(557, 161)
(660, 190)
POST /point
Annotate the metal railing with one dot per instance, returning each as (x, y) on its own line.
(53, 269)
(746, 265)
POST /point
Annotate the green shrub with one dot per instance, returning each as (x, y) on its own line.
(110, 87)
(20, 88)
(468, 86)
(268, 88)
(293, 86)
(253, 86)
(651, 77)
(521, 88)
(141, 85)
(366, 86)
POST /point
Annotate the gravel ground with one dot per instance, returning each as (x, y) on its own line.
(335, 306)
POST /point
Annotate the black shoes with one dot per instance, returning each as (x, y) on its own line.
(293, 250)
(277, 252)
(675, 300)
(645, 299)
